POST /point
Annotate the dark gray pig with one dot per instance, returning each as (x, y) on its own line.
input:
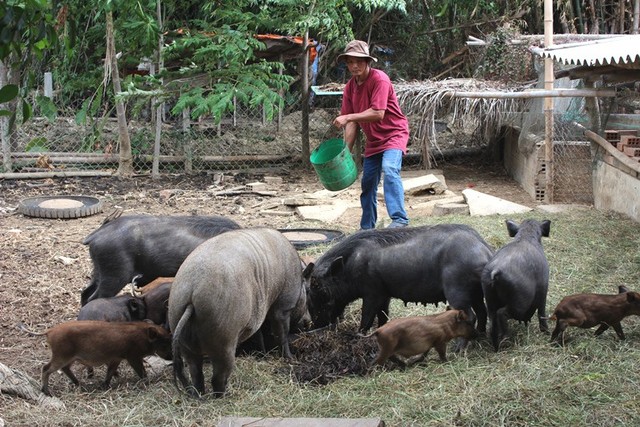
(150, 246)
(428, 264)
(515, 281)
(121, 308)
(217, 302)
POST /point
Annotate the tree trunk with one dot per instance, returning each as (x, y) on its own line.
(125, 166)
(4, 122)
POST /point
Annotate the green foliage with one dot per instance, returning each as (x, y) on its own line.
(503, 60)
(37, 145)
(27, 29)
(7, 93)
(28, 26)
(47, 107)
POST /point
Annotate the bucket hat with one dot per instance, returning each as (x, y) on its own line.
(356, 48)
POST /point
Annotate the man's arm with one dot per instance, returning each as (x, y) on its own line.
(367, 116)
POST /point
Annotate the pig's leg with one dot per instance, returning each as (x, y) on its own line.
(441, 348)
(618, 328)
(197, 376)
(72, 377)
(558, 332)
(280, 328)
(603, 327)
(112, 368)
(542, 316)
(418, 359)
(223, 364)
(383, 314)
(502, 327)
(371, 306)
(138, 367)
(397, 360)
(481, 313)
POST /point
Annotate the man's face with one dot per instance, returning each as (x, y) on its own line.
(357, 66)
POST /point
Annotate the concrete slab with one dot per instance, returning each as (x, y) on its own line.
(305, 201)
(296, 422)
(420, 185)
(485, 204)
(324, 213)
(426, 208)
(441, 209)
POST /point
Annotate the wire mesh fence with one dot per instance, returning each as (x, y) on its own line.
(244, 139)
(247, 139)
(571, 161)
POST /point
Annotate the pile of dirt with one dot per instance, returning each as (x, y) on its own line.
(325, 356)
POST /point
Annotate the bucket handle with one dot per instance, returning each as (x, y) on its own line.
(332, 131)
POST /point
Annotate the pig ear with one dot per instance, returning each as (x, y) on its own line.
(622, 289)
(134, 306)
(306, 273)
(152, 333)
(461, 316)
(545, 227)
(337, 265)
(512, 228)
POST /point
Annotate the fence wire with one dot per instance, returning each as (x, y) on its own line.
(571, 158)
(244, 139)
(247, 140)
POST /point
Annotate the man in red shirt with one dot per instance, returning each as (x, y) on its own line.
(369, 101)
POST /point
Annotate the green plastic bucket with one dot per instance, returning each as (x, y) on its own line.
(334, 165)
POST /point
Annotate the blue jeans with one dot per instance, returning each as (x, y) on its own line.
(388, 162)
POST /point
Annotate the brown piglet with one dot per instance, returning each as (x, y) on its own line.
(95, 343)
(589, 310)
(416, 335)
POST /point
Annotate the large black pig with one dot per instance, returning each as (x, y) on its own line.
(150, 246)
(428, 264)
(515, 281)
(219, 301)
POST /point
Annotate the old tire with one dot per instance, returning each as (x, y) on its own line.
(305, 237)
(60, 207)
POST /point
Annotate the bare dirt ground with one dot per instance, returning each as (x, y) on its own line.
(44, 265)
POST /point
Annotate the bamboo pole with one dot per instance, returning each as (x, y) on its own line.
(636, 17)
(101, 159)
(548, 103)
(546, 93)
(155, 168)
(305, 101)
(53, 174)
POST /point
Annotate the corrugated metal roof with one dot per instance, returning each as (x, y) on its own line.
(609, 51)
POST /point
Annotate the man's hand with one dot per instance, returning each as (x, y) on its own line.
(341, 121)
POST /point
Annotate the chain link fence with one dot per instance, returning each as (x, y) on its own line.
(244, 139)
(571, 158)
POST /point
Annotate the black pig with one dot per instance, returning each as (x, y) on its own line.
(150, 246)
(515, 281)
(428, 264)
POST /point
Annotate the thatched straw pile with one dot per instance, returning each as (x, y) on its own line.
(428, 100)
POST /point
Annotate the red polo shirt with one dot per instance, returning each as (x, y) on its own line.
(377, 92)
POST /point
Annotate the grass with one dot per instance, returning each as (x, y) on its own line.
(590, 381)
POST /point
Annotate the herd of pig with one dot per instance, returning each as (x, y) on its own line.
(206, 287)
